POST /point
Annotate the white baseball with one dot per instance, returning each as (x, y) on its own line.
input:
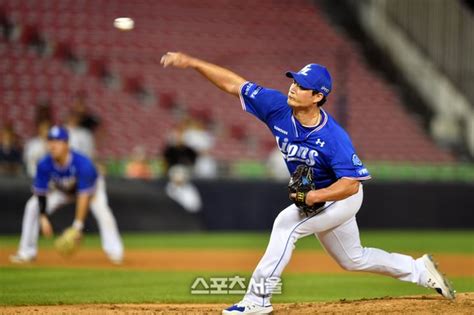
(124, 23)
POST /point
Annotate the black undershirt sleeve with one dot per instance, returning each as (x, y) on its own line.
(42, 204)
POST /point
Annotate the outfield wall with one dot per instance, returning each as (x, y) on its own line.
(253, 205)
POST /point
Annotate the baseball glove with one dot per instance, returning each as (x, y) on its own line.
(301, 182)
(68, 242)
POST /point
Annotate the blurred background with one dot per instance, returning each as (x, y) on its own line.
(179, 154)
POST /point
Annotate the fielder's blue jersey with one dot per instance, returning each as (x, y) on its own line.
(78, 176)
(326, 148)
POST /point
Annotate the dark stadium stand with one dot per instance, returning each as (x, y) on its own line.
(260, 41)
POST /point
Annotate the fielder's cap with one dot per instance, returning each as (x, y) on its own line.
(313, 77)
(58, 133)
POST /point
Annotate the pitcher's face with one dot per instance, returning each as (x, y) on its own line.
(301, 97)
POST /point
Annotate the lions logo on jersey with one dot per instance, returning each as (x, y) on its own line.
(65, 184)
(292, 152)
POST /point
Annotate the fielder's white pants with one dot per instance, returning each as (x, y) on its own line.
(337, 230)
(109, 234)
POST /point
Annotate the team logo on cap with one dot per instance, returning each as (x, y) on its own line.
(305, 70)
(55, 131)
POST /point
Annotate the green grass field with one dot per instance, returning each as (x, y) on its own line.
(31, 285)
(450, 241)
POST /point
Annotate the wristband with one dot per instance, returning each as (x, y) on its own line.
(78, 225)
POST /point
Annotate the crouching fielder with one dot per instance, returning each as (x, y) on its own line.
(64, 176)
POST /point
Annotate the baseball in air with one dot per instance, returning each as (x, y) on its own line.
(124, 23)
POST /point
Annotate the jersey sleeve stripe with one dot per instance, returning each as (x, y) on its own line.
(358, 178)
(242, 101)
(87, 191)
(39, 191)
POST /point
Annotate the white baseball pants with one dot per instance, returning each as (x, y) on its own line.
(337, 230)
(111, 241)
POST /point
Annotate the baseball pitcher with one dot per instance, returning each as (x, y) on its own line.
(326, 183)
(64, 176)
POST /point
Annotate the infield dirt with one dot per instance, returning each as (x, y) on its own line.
(220, 260)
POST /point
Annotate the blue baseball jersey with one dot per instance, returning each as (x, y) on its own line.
(78, 176)
(326, 148)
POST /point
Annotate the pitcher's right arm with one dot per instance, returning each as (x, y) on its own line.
(223, 78)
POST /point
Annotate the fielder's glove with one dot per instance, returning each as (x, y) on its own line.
(68, 242)
(301, 182)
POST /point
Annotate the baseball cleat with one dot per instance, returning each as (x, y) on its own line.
(20, 259)
(436, 280)
(248, 307)
(116, 260)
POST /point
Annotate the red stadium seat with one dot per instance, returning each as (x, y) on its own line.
(259, 41)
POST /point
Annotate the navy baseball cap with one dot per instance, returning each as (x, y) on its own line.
(58, 133)
(313, 77)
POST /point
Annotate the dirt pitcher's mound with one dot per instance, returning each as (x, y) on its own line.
(432, 304)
